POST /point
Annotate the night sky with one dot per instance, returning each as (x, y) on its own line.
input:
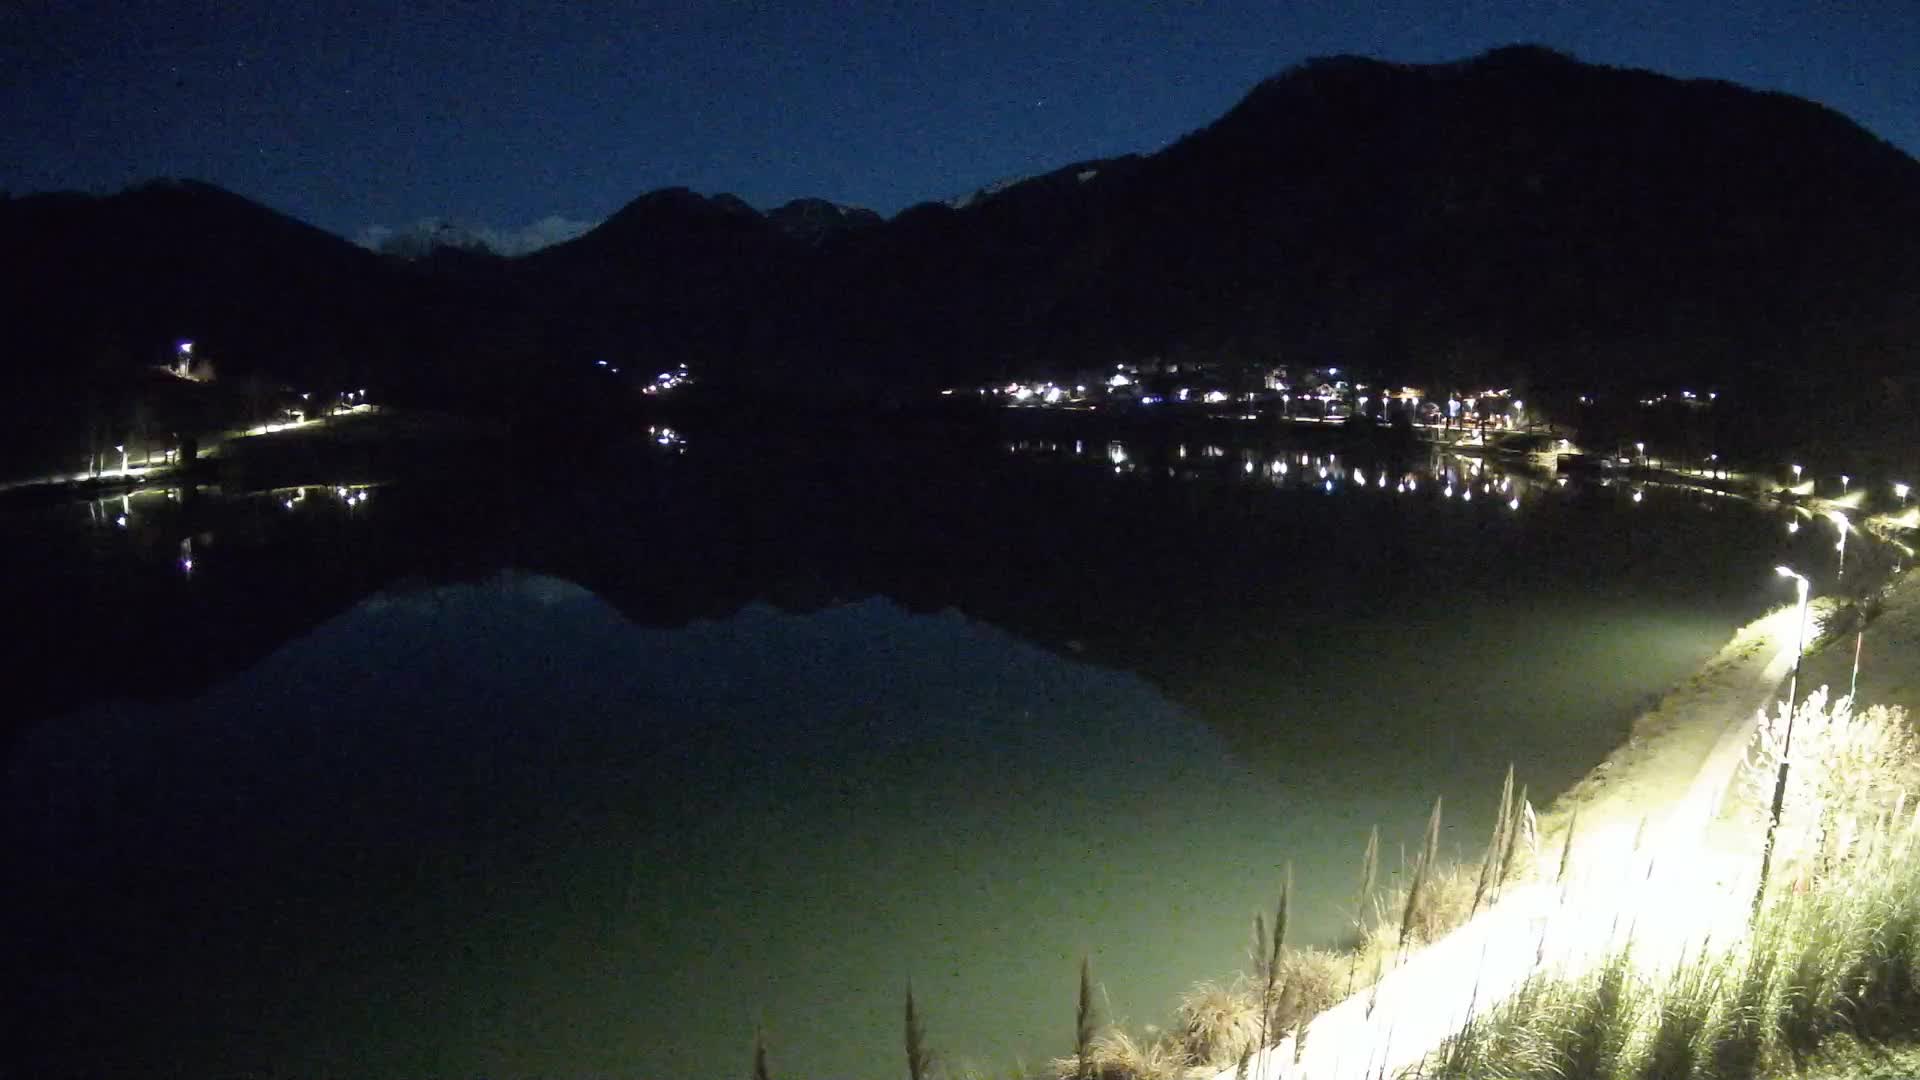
(499, 115)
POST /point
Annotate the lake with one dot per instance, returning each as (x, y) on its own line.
(533, 770)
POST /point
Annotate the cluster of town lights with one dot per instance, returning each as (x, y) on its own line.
(1321, 394)
(665, 381)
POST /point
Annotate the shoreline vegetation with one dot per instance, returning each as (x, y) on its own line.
(1813, 971)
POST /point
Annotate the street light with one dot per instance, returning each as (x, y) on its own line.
(1796, 473)
(1859, 640)
(1800, 635)
(1844, 481)
(1786, 747)
(1840, 522)
(123, 457)
(1900, 492)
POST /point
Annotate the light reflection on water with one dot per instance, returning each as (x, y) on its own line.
(1448, 471)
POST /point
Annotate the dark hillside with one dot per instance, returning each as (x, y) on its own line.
(1516, 218)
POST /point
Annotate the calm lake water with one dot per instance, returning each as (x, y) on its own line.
(537, 773)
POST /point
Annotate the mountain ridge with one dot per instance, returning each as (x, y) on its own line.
(1515, 216)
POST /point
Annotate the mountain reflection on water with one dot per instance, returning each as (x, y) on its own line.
(1097, 545)
(606, 811)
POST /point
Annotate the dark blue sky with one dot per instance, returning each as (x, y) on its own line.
(500, 114)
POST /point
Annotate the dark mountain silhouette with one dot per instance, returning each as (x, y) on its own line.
(1518, 218)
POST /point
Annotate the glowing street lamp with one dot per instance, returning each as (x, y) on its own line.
(1796, 473)
(1900, 492)
(1844, 481)
(1786, 748)
(123, 457)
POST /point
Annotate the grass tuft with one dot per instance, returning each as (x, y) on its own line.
(1219, 1023)
(1494, 863)
(919, 1057)
(1116, 1055)
(1362, 900)
(1681, 1021)
(1083, 1024)
(760, 1055)
(1424, 865)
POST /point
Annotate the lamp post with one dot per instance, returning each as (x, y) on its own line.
(122, 447)
(1845, 480)
(1799, 650)
(1796, 473)
(1840, 522)
(1853, 683)
(1786, 745)
(1900, 492)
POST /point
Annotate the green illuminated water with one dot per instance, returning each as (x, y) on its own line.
(1017, 708)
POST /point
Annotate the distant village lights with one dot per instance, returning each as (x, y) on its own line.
(667, 380)
(1331, 395)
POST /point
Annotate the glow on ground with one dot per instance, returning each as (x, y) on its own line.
(1660, 886)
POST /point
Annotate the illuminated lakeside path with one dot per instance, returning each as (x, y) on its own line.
(1651, 870)
(210, 449)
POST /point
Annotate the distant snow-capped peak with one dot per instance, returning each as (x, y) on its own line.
(961, 202)
(428, 235)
